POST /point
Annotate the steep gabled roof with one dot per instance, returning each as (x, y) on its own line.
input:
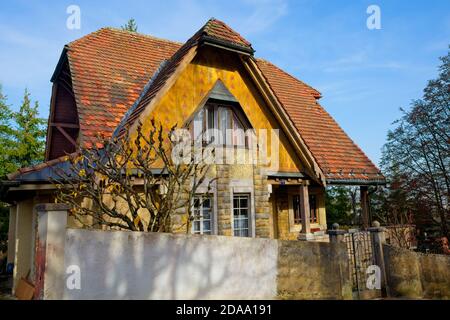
(337, 155)
(110, 69)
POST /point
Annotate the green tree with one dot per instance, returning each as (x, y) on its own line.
(29, 134)
(130, 26)
(6, 137)
(339, 205)
(22, 142)
(416, 158)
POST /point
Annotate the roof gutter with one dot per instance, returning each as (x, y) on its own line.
(356, 182)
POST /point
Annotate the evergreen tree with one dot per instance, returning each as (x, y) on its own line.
(29, 134)
(130, 26)
(6, 137)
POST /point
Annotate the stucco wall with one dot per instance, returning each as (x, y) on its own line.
(133, 265)
(417, 275)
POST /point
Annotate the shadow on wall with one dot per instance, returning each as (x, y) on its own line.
(135, 265)
(417, 275)
(313, 270)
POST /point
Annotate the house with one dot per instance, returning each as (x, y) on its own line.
(110, 79)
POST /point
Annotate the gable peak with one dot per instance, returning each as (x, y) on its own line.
(219, 33)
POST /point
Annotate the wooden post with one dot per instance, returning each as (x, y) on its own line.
(364, 199)
(305, 233)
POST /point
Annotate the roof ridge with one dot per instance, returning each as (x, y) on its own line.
(130, 33)
(231, 30)
(140, 34)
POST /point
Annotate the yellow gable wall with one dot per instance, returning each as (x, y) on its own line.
(195, 82)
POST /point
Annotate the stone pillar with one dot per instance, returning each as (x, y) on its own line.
(336, 235)
(224, 197)
(51, 238)
(305, 233)
(364, 199)
(378, 238)
(262, 209)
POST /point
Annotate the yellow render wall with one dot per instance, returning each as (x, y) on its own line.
(193, 85)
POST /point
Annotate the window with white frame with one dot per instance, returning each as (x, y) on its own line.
(202, 211)
(227, 122)
(241, 212)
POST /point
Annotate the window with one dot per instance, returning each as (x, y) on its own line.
(296, 208)
(241, 209)
(230, 127)
(312, 208)
(202, 223)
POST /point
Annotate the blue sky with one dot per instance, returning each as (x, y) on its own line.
(365, 75)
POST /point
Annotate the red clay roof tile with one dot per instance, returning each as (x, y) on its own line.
(110, 68)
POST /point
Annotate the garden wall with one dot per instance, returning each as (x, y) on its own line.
(417, 275)
(137, 265)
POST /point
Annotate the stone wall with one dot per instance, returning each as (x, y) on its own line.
(313, 270)
(138, 265)
(417, 275)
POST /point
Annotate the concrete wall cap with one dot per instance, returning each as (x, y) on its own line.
(336, 232)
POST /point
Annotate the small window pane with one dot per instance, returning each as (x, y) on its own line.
(313, 208)
(202, 216)
(296, 209)
(241, 215)
(196, 226)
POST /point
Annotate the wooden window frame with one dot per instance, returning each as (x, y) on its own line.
(295, 226)
(249, 215)
(200, 218)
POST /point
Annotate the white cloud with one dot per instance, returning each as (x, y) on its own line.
(266, 13)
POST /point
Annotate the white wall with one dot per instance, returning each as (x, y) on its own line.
(136, 265)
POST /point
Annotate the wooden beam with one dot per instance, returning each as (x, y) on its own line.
(312, 167)
(65, 125)
(66, 86)
(66, 135)
(50, 119)
(305, 212)
(364, 199)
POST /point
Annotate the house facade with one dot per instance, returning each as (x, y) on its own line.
(108, 81)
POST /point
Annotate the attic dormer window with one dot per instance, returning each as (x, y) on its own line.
(220, 125)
